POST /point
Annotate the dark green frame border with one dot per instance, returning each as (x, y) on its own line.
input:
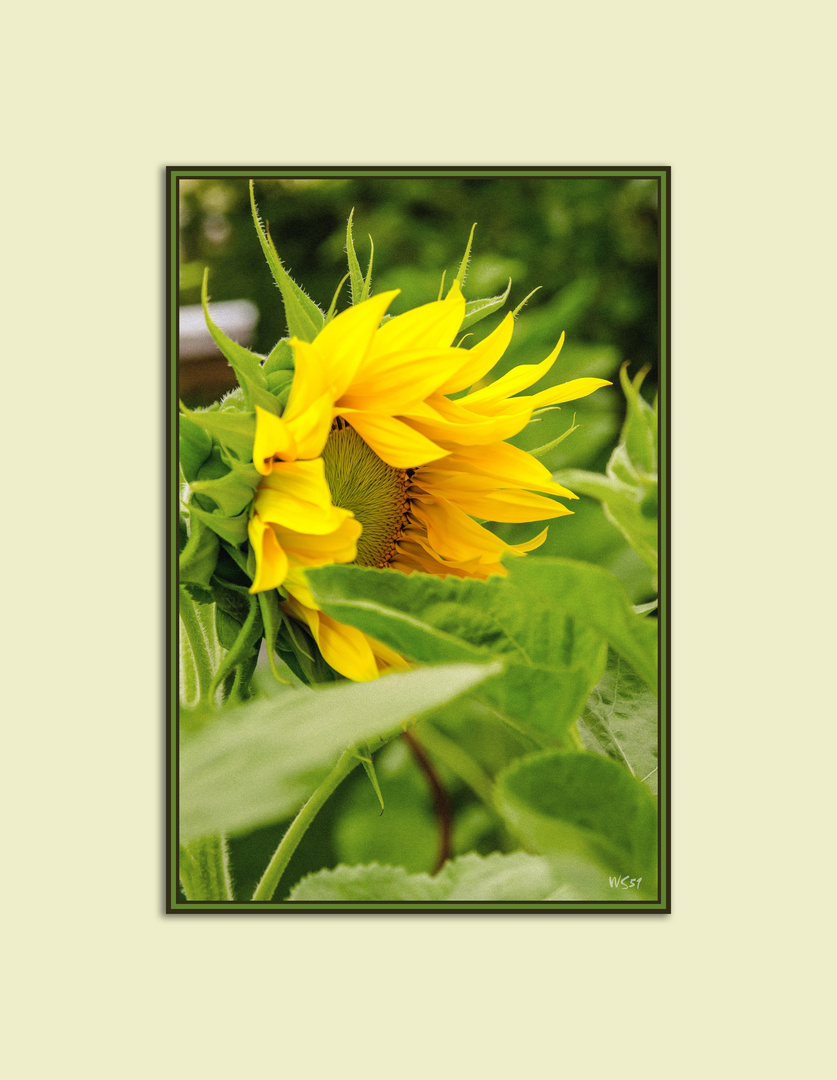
(662, 174)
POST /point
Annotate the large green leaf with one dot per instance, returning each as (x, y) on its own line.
(549, 619)
(552, 659)
(426, 618)
(620, 721)
(595, 599)
(515, 877)
(583, 806)
(258, 762)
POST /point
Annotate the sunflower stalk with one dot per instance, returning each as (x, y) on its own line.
(266, 888)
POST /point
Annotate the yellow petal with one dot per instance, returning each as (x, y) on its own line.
(310, 429)
(271, 560)
(519, 378)
(297, 586)
(503, 463)
(431, 326)
(453, 534)
(309, 549)
(452, 425)
(528, 545)
(568, 391)
(273, 439)
(309, 383)
(387, 658)
(344, 648)
(394, 382)
(342, 346)
(394, 442)
(481, 358)
(296, 496)
(501, 505)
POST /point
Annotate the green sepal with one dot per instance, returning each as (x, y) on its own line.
(354, 265)
(195, 447)
(280, 358)
(539, 451)
(367, 283)
(332, 307)
(246, 365)
(280, 383)
(234, 431)
(200, 555)
(231, 529)
(233, 492)
(234, 401)
(304, 318)
(524, 301)
(476, 310)
(463, 266)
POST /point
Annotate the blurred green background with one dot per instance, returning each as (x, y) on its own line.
(591, 244)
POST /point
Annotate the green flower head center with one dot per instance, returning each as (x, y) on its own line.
(375, 492)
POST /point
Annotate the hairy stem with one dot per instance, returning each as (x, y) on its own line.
(197, 643)
(205, 869)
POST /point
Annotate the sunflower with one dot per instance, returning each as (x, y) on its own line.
(374, 462)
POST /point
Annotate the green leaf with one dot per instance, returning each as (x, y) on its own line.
(515, 877)
(258, 762)
(552, 660)
(428, 619)
(584, 806)
(305, 320)
(596, 599)
(477, 310)
(620, 721)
